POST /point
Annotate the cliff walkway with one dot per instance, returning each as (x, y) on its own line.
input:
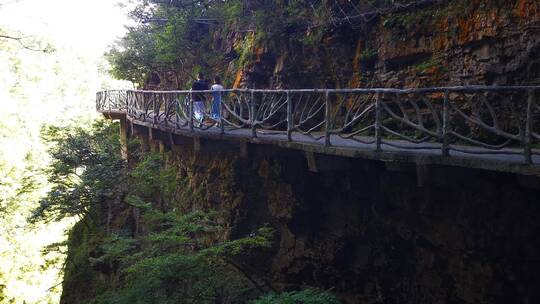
(486, 127)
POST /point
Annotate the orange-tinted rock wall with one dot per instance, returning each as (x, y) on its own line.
(457, 43)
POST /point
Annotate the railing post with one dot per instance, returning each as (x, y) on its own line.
(108, 100)
(127, 103)
(130, 96)
(527, 149)
(446, 125)
(220, 122)
(253, 115)
(327, 124)
(154, 107)
(378, 134)
(290, 122)
(191, 111)
(137, 104)
(145, 105)
(166, 107)
(176, 110)
(132, 103)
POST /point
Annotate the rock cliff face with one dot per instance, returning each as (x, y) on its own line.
(373, 235)
(368, 231)
(437, 43)
(443, 43)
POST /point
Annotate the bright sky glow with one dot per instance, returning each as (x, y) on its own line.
(47, 88)
(88, 26)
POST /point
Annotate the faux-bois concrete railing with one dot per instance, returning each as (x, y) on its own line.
(498, 123)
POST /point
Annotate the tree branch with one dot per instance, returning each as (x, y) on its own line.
(20, 40)
(9, 2)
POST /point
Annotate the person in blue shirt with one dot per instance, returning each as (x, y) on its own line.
(217, 89)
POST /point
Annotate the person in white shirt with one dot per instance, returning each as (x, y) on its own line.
(217, 89)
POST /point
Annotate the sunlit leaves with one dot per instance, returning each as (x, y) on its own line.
(134, 57)
(173, 36)
(86, 170)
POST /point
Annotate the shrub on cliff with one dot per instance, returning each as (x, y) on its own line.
(307, 296)
(179, 261)
(86, 170)
(162, 255)
(173, 257)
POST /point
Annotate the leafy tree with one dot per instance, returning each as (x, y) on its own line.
(134, 58)
(173, 36)
(152, 180)
(86, 171)
(3, 296)
(179, 261)
(37, 86)
(182, 258)
(175, 258)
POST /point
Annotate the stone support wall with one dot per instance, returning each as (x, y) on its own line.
(374, 232)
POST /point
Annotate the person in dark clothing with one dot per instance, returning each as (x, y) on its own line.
(199, 99)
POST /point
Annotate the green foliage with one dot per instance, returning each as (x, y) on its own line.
(369, 54)
(180, 257)
(233, 10)
(234, 248)
(406, 22)
(307, 296)
(418, 18)
(40, 88)
(134, 58)
(429, 64)
(244, 49)
(137, 202)
(313, 38)
(86, 170)
(179, 261)
(152, 175)
(3, 296)
(82, 280)
(114, 248)
(173, 37)
(186, 39)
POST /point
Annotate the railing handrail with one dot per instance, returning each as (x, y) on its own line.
(456, 117)
(352, 90)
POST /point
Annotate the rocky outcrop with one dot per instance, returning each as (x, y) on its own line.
(453, 43)
(371, 234)
(368, 231)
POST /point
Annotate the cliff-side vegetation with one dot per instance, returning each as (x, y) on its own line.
(133, 244)
(175, 40)
(359, 43)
